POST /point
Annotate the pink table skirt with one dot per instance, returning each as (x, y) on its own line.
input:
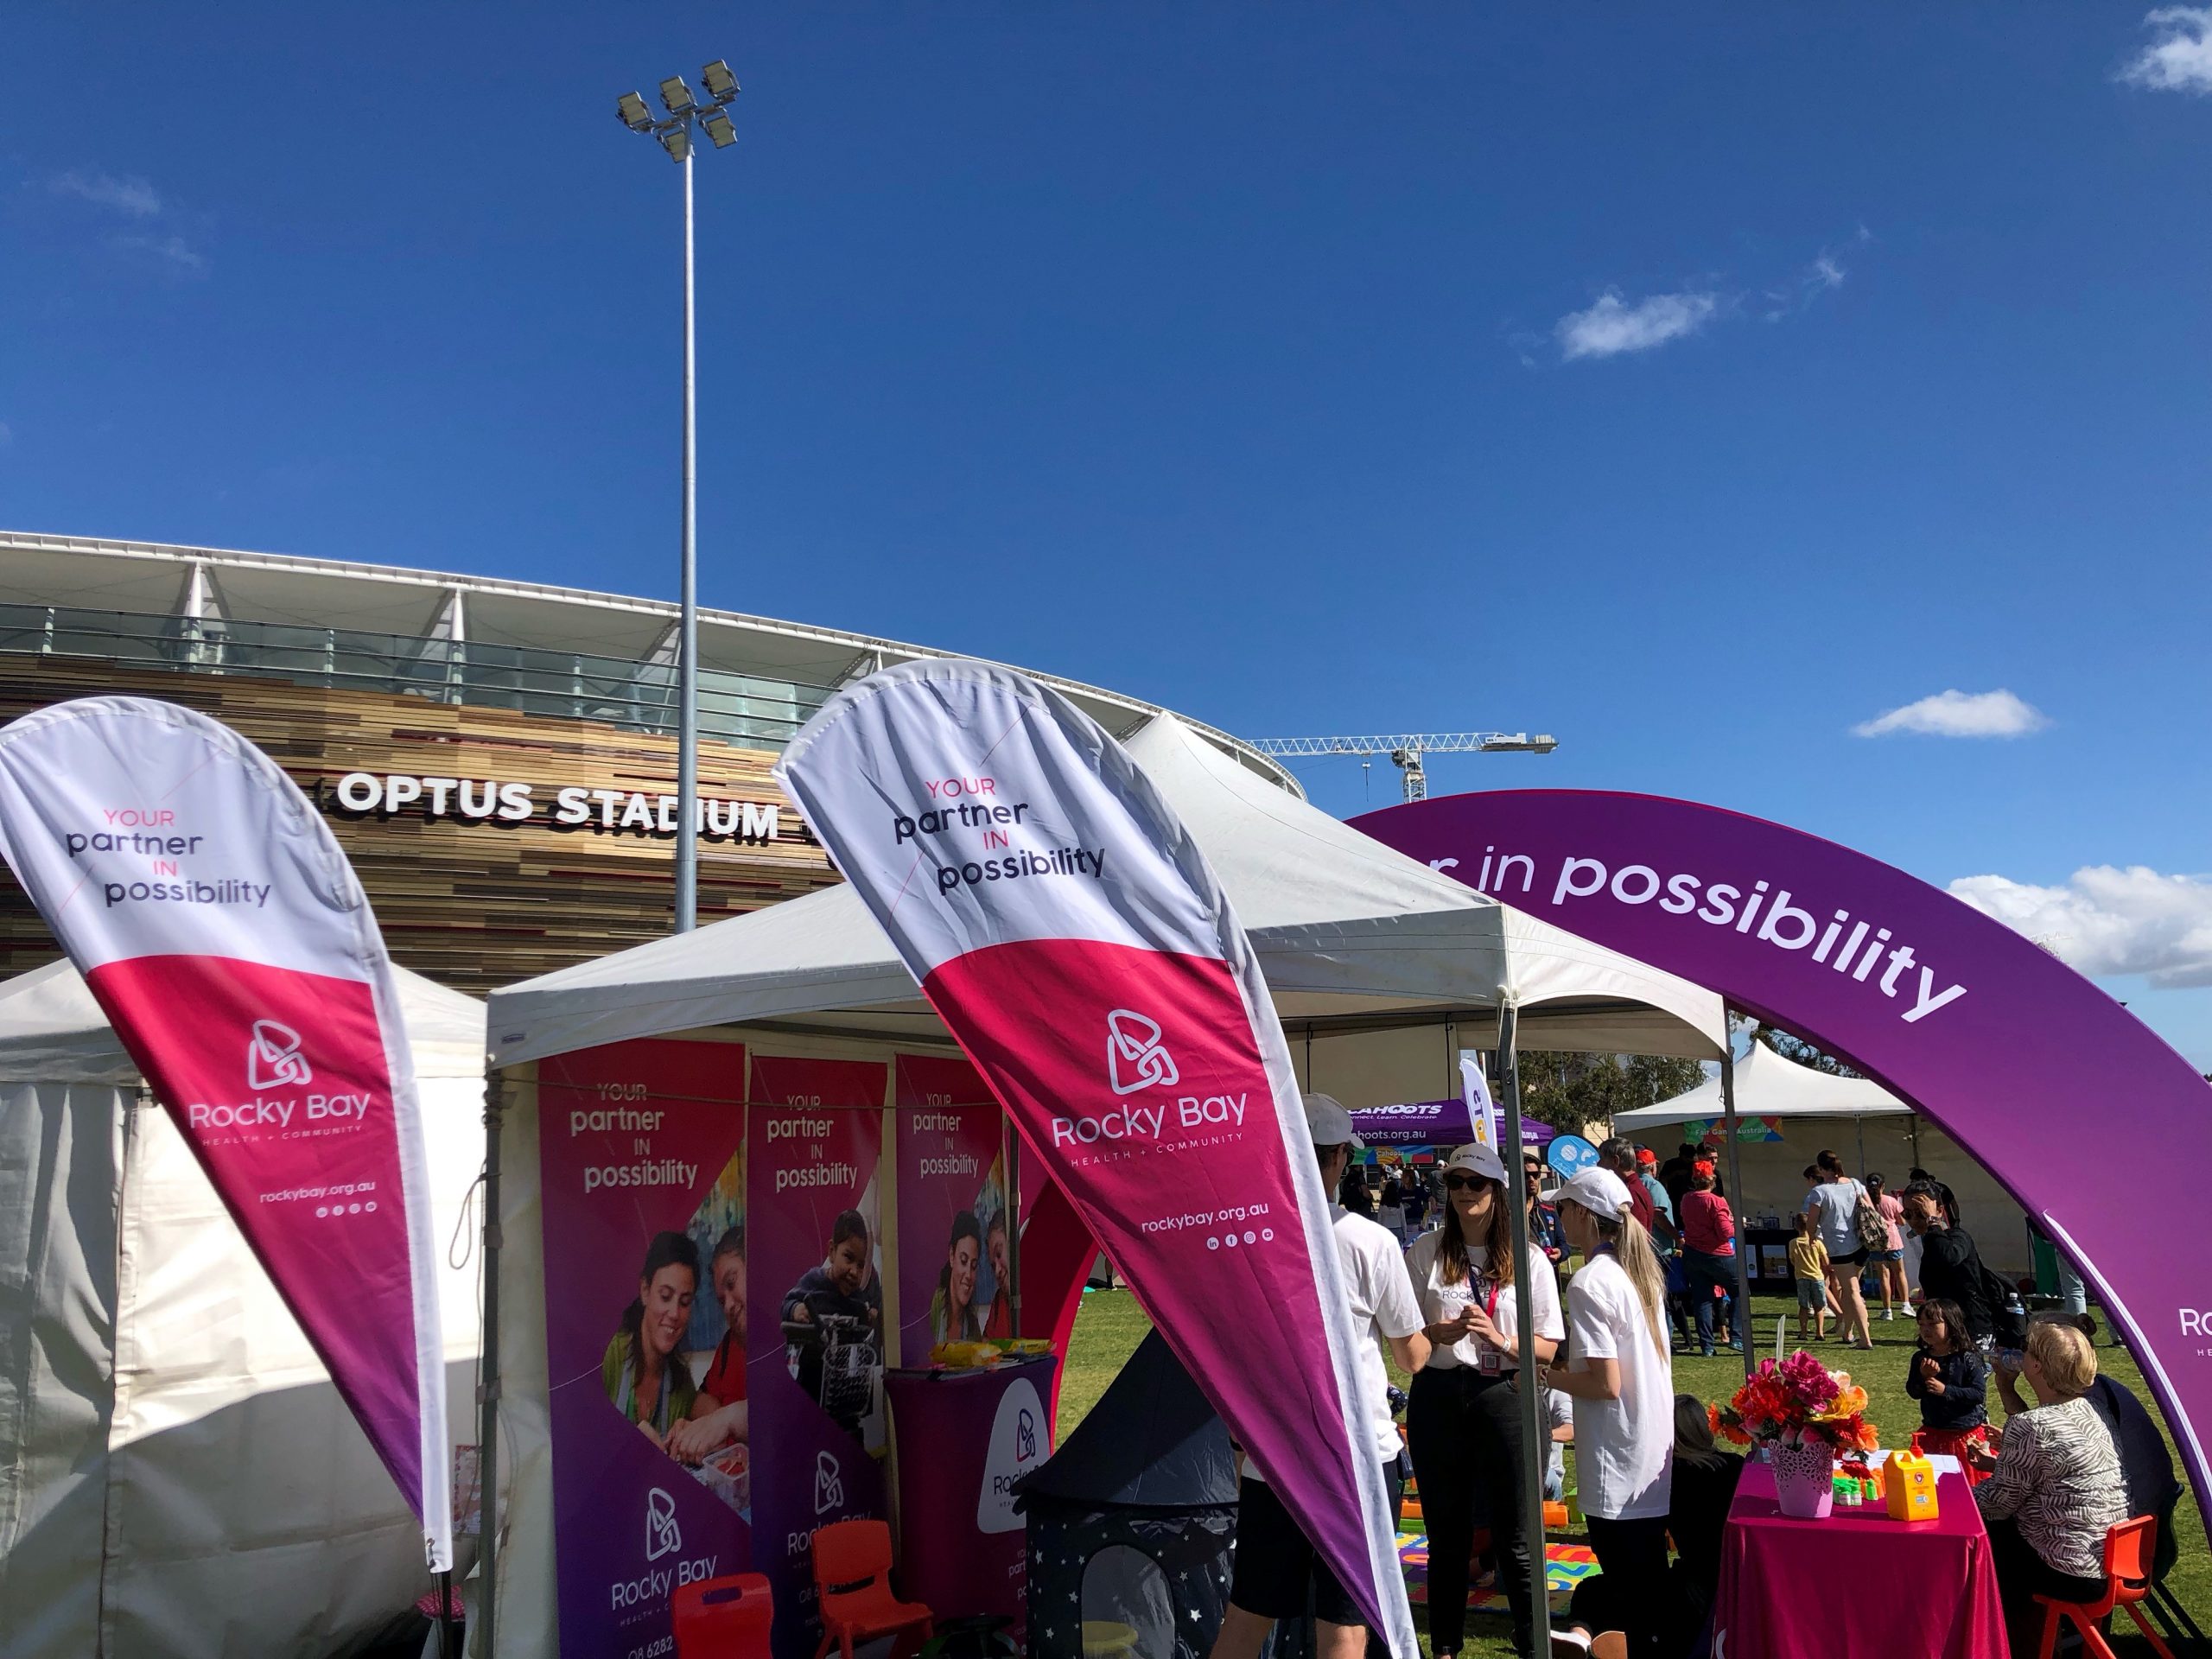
(1858, 1585)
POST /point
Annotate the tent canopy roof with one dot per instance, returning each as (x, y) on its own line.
(1767, 1086)
(52, 1030)
(1352, 936)
(1151, 1442)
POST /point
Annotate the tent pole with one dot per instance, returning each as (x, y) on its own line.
(1742, 1320)
(1013, 1144)
(1536, 1421)
(487, 1387)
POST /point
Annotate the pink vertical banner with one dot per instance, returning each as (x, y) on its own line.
(816, 1271)
(955, 1252)
(641, 1150)
(223, 932)
(1073, 939)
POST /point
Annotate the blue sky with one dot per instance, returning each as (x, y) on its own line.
(1697, 391)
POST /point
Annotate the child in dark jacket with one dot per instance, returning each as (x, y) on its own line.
(1948, 1379)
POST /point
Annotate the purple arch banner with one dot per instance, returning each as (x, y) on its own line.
(2022, 1061)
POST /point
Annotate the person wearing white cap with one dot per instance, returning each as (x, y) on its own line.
(1462, 1423)
(1279, 1574)
(1621, 1379)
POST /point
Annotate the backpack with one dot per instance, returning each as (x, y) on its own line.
(1874, 1228)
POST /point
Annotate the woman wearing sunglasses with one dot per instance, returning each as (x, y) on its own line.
(1463, 1424)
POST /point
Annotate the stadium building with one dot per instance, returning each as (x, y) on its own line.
(496, 758)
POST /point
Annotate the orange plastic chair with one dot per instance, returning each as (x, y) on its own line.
(2128, 1549)
(728, 1617)
(852, 1582)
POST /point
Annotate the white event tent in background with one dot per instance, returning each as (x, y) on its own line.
(1872, 1130)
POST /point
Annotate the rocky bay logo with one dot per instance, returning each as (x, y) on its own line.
(662, 1535)
(828, 1483)
(1014, 1451)
(1133, 1039)
(273, 1059)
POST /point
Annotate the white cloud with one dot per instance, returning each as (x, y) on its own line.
(2104, 920)
(1960, 713)
(174, 253)
(1609, 327)
(2179, 57)
(129, 195)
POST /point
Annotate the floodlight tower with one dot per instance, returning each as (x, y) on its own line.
(685, 113)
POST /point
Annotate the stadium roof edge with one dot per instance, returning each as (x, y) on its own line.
(177, 561)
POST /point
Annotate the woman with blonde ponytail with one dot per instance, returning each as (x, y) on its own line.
(1621, 1379)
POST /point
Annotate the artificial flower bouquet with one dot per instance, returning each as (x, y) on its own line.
(1797, 1401)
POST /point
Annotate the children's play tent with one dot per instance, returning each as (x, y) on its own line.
(177, 1474)
(1132, 1522)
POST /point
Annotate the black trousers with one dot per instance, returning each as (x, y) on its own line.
(2021, 1575)
(1632, 1556)
(1464, 1430)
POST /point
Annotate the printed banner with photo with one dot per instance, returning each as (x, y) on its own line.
(642, 1165)
(817, 1266)
(955, 1264)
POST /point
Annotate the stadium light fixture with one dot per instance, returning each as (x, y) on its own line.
(674, 135)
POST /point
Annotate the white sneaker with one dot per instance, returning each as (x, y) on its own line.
(1889, 1313)
(1570, 1644)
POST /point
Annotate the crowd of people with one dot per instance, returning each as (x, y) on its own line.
(2075, 1454)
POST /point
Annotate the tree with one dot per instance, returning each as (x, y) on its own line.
(1572, 1091)
(1797, 1049)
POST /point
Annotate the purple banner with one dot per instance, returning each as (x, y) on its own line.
(1432, 1123)
(1419, 1123)
(816, 1267)
(964, 1438)
(1983, 1030)
(955, 1254)
(641, 1153)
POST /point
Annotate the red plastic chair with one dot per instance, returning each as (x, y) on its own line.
(2127, 1580)
(852, 1582)
(728, 1617)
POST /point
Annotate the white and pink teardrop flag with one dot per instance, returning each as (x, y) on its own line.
(218, 923)
(1074, 941)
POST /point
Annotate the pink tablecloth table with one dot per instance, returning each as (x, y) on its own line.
(1858, 1585)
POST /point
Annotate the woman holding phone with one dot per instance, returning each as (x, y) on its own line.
(1464, 1421)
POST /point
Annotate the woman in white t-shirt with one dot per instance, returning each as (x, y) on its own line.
(1463, 1422)
(1621, 1379)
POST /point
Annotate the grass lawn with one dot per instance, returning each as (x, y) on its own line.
(1111, 1324)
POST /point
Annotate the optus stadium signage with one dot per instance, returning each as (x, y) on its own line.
(491, 801)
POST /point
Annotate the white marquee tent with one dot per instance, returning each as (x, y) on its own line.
(177, 1474)
(1370, 955)
(1767, 1086)
(1870, 1129)
(1382, 970)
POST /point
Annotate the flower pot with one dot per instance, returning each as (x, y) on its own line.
(1804, 1480)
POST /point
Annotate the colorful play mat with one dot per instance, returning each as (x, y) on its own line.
(1565, 1566)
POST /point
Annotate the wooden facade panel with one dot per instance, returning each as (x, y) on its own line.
(472, 905)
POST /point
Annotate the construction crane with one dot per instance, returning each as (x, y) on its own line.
(1407, 749)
